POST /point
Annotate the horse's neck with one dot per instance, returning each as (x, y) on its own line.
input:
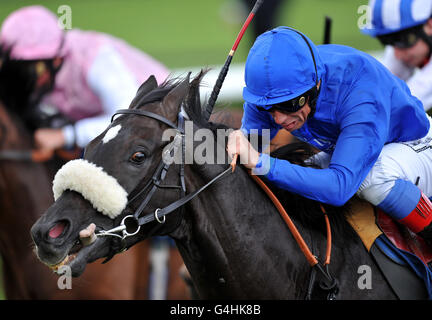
(229, 228)
(25, 192)
(236, 245)
(13, 131)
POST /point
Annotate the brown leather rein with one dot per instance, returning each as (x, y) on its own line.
(310, 257)
(331, 284)
(293, 229)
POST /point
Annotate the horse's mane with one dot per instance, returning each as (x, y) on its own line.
(306, 211)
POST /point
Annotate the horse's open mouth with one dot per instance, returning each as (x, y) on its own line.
(86, 238)
(70, 256)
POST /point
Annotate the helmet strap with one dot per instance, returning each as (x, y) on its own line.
(313, 98)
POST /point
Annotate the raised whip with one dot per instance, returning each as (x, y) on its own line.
(222, 74)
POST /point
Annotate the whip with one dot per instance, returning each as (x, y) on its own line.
(327, 30)
(222, 74)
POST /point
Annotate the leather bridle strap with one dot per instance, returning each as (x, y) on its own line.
(148, 114)
(159, 213)
(162, 212)
(161, 172)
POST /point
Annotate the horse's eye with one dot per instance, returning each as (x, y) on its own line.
(138, 157)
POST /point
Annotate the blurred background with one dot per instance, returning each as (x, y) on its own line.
(191, 34)
(200, 33)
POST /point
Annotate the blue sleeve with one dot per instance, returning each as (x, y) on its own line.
(258, 120)
(362, 136)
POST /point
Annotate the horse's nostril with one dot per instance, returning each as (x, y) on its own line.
(57, 230)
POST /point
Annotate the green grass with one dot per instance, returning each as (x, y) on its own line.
(196, 32)
(183, 33)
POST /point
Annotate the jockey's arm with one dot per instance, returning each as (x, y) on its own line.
(358, 146)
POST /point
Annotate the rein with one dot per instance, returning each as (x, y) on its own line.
(35, 155)
(329, 284)
(131, 224)
(39, 155)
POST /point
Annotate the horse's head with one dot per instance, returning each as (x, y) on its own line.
(122, 175)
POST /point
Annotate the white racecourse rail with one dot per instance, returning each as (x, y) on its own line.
(234, 82)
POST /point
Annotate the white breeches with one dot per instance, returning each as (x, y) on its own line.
(410, 161)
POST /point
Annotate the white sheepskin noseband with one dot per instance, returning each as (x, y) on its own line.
(95, 185)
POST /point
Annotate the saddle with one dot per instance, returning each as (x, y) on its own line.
(380, 235)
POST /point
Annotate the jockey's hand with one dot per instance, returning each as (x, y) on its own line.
(49, 139)
(238, 143)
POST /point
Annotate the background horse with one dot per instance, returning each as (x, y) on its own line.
(25, 193)
(231, 237)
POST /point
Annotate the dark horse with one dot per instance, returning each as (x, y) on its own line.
(25, 193)
(232, 239)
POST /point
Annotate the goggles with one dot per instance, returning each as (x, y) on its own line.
(402, 39)
(289, 106)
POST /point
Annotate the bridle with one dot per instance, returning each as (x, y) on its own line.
(130, 225)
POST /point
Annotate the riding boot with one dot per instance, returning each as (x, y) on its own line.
(407, 204)
(420, 219)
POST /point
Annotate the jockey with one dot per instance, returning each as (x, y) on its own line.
(374, 136)
(84, 75)
(405, 28)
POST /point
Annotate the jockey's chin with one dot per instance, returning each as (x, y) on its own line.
(414, 56)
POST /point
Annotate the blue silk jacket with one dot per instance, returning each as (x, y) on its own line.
(361, 107)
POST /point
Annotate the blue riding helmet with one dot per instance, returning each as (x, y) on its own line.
(282, 65)
(392, 16)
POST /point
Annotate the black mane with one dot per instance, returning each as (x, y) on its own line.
(157, 94)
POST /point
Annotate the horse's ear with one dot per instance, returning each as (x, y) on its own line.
(172, 101)
(149, 85)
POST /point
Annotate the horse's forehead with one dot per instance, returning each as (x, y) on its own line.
(128, 129)
(111, 133)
